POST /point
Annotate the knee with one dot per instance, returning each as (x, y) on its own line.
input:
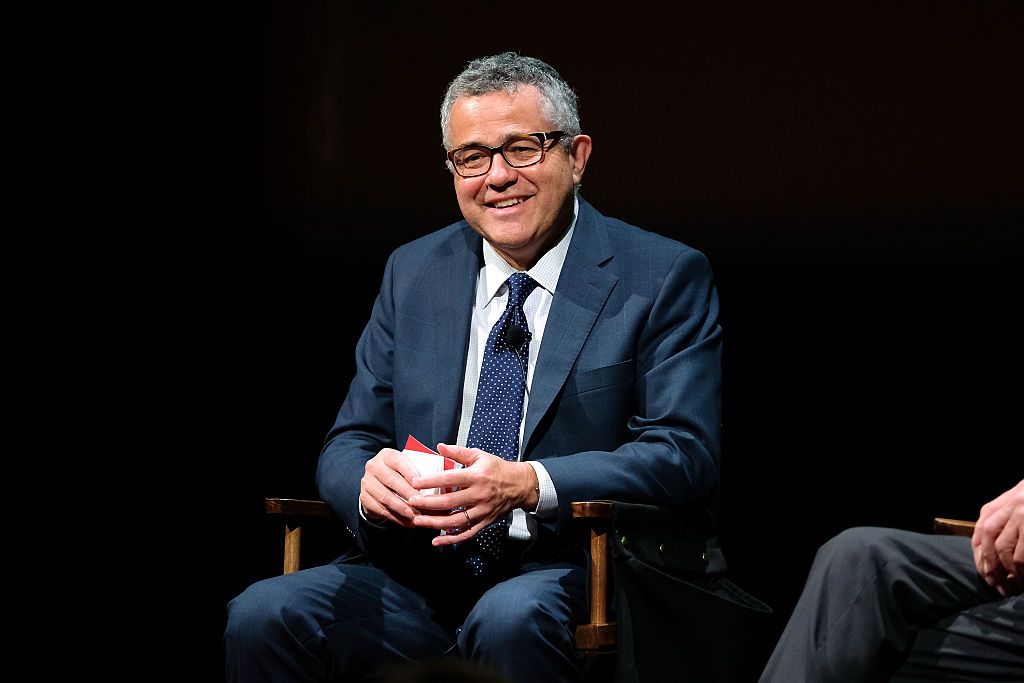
(510, 623)
(858, 546)
(257, 614)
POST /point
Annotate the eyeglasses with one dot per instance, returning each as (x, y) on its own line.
(522, 150)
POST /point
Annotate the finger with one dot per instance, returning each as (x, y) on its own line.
(447, 482)
(385, 502)
(990, 570)
(976, 548)
(440, 501)
(1017, 552)
(376, 512)
(401, 475)
(450, 479)
(988, 562)
(461, 454)
(1004, 547)
(457, 535)
(458, 519)
(459, 525)
(455, 519)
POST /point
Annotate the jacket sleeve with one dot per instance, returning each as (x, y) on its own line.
(365, 422)
(667, 445)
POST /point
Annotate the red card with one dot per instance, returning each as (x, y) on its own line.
(425, 460)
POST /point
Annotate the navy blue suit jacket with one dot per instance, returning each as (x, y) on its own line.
(626, 396)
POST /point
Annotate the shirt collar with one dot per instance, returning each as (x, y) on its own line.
(546, 271)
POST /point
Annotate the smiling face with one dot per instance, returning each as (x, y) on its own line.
(521, 212)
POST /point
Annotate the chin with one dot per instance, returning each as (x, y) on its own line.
(509, 237)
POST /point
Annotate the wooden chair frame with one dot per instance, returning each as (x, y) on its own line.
(952, 527)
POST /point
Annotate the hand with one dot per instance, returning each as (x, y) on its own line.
(488, 488)
(998, 541)
(385, 489)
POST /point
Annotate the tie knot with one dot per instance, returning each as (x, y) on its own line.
(519, 287)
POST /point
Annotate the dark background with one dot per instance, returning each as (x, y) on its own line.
(852, 172)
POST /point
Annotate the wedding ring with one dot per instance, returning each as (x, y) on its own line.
(468, 520)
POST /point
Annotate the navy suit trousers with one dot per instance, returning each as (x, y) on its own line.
(348, 621)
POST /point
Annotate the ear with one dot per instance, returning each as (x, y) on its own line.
(581, 147)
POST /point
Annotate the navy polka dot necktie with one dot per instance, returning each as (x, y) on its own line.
(498, 411)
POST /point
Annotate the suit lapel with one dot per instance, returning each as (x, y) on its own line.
(453, 279)
(583, 289)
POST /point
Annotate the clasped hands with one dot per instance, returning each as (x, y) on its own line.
(488, 489)
(998, 541)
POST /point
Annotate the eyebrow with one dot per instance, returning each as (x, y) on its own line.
(477, 143)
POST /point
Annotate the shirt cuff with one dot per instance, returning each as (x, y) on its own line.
(547, 499)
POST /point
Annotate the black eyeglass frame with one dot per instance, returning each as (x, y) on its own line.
(552, 136)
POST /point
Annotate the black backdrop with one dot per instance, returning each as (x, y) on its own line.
(853, 174)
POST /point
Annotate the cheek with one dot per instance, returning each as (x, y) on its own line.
(466, 193)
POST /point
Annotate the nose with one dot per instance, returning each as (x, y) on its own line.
(500, 174)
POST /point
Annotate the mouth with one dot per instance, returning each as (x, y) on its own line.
(505, 203)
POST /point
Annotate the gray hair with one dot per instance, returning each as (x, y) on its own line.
(506, 72)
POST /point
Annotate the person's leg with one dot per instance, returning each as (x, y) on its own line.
(523, 627)
(318, 623)
(985, 642)
(867, 594)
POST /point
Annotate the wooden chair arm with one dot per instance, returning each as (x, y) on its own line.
(297, 507)
(952, 527)
(295, 511)
(598, 633)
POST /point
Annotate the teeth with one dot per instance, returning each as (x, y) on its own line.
(507, 202)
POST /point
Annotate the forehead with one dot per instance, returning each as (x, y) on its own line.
(491, 118)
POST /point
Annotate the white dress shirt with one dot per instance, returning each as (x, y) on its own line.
(491, 299)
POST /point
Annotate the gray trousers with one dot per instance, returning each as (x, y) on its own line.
(884, 604)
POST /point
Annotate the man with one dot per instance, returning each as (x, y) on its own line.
(883, 604)
(555, 354)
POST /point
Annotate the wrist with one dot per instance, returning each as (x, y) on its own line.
(531, 492)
